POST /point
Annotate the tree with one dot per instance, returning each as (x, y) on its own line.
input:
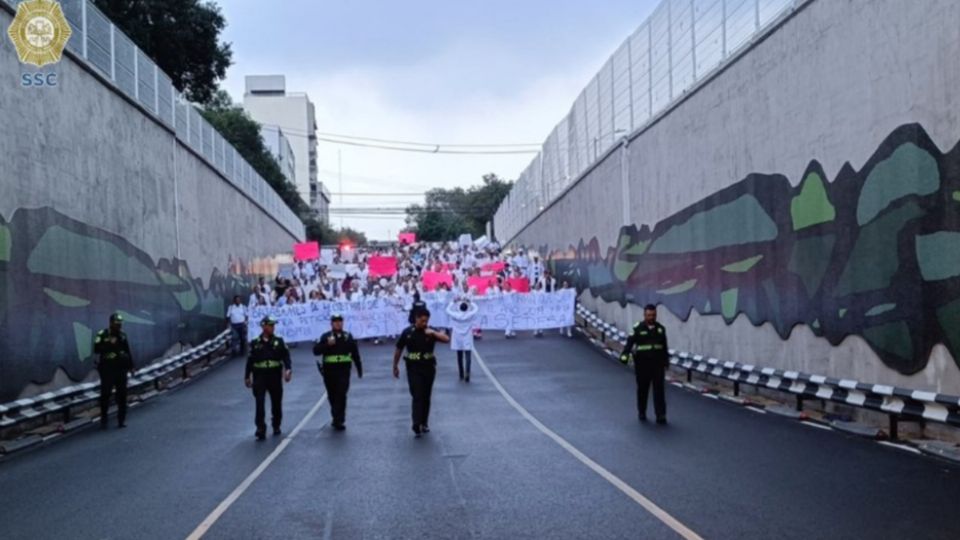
(181, 36)
(243, 133)
(448, 213)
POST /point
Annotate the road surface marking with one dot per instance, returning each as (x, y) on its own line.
(816, 425)
(903, 447)
(252, 477)
(646, 503)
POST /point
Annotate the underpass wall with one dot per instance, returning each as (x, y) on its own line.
(102, 209)
(800, 209)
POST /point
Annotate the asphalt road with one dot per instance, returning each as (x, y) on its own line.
(485, 471)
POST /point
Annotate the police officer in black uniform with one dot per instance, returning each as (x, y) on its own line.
(113, 365)
(419, 341)
(339, 350)
(268, 366)
(648, 344)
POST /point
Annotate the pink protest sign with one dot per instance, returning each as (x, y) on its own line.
(307, 251)
(432, 280)
(381, 266)
(481, 283)
(494, 267)
(520, 284)
(407, 237)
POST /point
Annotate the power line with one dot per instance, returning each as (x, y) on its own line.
(411, 143)
(405, 146)
(437, 149)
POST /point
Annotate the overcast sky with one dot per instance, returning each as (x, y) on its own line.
(438, 71)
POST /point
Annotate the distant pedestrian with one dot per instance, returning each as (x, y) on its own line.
(462, 315)
(237, 319)
(113, 365)
(338, 350)
(648, 345)
(419, 341)
(268, 366)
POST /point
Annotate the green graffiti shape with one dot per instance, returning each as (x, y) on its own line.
(677, 289)
(741, 221)
(728, 303)
(893, 338)
(812, 206)
(874, 259)
(939, 255)
(66, 254)
(84, 338)
(877, 310)
(5, 243)
(66, 300)
(133, 319)
(809, 260)
(949, 317)
(742, 266)
(910, 170)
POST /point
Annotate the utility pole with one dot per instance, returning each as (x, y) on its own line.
(340, 181)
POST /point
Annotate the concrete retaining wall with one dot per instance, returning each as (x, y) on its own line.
(102, 209)
(861, 98)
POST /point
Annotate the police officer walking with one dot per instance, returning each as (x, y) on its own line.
(339, 350)
(648, 344)
(419, 340)
(113, 365)
(268, 366)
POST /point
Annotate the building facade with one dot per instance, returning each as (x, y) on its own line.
(267, 101)
(280, 147)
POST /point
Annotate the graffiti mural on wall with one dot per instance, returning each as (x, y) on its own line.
(61, 280)
(874, 253)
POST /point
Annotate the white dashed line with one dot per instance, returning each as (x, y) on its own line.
(646, 503)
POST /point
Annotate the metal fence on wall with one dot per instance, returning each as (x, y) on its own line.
(114, 56)
(681, 43)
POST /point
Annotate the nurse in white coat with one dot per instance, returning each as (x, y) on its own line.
(462, 314)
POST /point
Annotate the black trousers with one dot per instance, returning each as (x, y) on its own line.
(336, 377)
(113, 379)
(268, 380)
(650, 374)
(420, 376)
(460, 357)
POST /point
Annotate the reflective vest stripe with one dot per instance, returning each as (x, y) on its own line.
(419, 356)
(337, 358)
(267, 364)
(651, 347)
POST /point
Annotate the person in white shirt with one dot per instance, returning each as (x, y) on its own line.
(462, 313)
(237, 319)
(535, 269)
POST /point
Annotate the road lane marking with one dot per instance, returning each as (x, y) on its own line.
(252, 477)
(646, 503)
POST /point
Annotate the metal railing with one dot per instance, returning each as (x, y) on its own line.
(65, 400)
(680, 44)
(899, 404)
(113, 55)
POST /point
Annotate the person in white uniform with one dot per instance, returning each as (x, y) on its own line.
(462, 315)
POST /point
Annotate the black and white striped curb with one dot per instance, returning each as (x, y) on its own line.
(901, 404)
(63, 399)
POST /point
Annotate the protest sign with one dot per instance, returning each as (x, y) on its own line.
(494, 267)
(381, 266)
(519, 284)
(378, 317)
(306, 251)
(481, 283)
(465, 240)
(337, 271)
(326, 256)
(432, 280)
(407, 238)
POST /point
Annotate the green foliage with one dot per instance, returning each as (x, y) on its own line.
(243, 133)
(448, 213)
(181, 36)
